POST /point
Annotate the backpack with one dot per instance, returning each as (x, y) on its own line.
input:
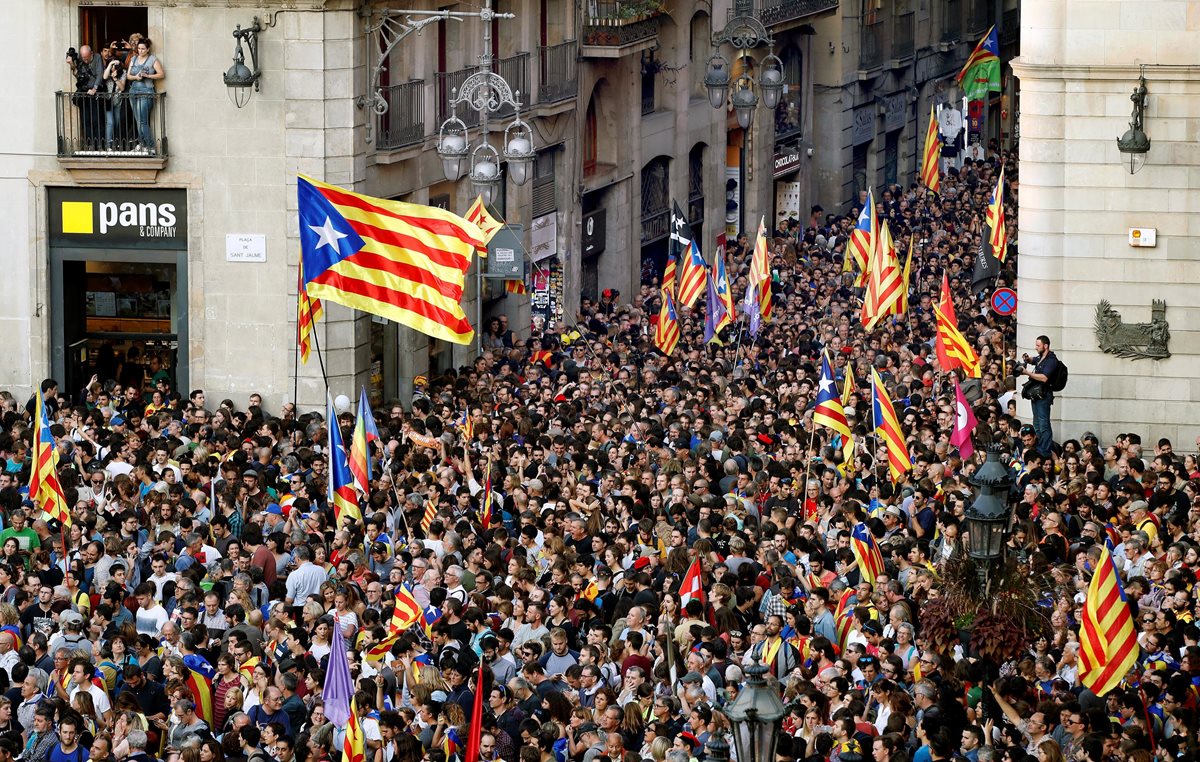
(1058, 381)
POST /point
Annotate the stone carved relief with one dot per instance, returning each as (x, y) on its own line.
(1133, 341)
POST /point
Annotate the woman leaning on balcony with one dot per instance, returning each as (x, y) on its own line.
(144, 70)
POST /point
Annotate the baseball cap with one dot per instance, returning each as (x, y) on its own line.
(117, 421)
(274, 508)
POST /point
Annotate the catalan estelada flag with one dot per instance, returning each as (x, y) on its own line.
(885, 281)
(666, 332)
(959, 353)
(354, 744)
(487, 224)
(691, 282)
(431, 616)
(900, 306)
(247, 668)
(404, 262)
(365, 432)
(887, 426)
(308, 312)
(1108, 646)
(670, 275)
(760, 272)
(980, 75)
(201, 690)
(866, 552)
(998, 231)
(451, 743)
(931, 158)
(405, 610)
(862, 238)
(341, 479)
(724, 293)
(44, 487)
(828, 410)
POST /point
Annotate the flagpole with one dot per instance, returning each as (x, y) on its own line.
(317, 347)
(812, 435)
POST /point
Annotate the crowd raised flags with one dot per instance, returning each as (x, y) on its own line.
(341, 479)
(828, 410)
(885, 282)
(931, 158)
(867, 553)
(862, 239)
(997, 229)
(691, 281)
(964, 424)
(1108, 646)
(887, 427)
(308, 312)
(487, 224)
(666, 331)
(365, 432)
(980, 75)
(44, 487)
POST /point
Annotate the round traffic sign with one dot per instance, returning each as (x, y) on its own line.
(1004, 302)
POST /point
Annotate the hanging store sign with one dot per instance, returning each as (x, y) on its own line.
(118, 217)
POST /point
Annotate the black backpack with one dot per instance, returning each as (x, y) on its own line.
(1058, 380)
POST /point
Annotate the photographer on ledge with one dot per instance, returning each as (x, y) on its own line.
(1039, 392)
(88, 70)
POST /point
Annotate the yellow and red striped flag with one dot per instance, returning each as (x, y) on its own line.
(862, 239)
(44, 487)
(308, 312)
(427, 518)
(670, 274)
(692, 280)
(487, 224)
(380, 650)
(900, 307)
(867, 553)
(887, 426)
(201, 689)
(247, 668)
(931, 159)
(998, 237)
(353, 746)
(884, 283)
(958, 350)
(1108, 646)
(847, 384)
(666, 333)
(515, 287)
(404, 262)
(760, 272)
(405, 610)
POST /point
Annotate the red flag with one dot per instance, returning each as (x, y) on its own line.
(692, 587)
(476, 731)
(964, 424)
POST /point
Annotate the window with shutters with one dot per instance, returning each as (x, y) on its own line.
(544, 192)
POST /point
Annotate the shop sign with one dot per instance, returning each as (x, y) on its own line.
(108, 217)
(893, 112)
(593, 233)
(787, 159)
(863, 130)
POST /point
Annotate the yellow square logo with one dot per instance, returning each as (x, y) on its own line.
(77, 217)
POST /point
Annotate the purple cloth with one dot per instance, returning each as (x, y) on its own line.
(339, 688)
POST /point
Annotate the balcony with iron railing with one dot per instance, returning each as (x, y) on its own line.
(773, 12)
(514, 69)
(979, 16)
(871, 51)
(104, 128)
(403, 124)
(952, 17)
(557, 77)
(613, 28)
(903, 42)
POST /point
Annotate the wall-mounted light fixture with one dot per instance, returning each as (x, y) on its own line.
(1135, 144)
(239, 79)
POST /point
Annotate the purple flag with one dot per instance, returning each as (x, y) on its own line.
(713, 309)
(339, 689)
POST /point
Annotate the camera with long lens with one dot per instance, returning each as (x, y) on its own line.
(73, 54)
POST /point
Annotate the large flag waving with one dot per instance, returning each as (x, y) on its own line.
(862, 238)
(404, 262)
(900, 307)
(887, 426)
(308, 312)
(964, 424)
(339, 687)
(714, 310)
(341, 479)
(405, 610)
(724, 293)
(44, 487)
(931, 159)
(365, 432)
(1108, 646)
(666, 333)
(828, 411)
(691, 282)
(760, 274)
(692, 587)
(980, 75)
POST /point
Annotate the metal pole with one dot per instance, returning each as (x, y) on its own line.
(485, 68)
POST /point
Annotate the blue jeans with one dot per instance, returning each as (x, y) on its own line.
(142, 103)
(1041, 425)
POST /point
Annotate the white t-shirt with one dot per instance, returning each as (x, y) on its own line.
(99, 697)
(151, 621)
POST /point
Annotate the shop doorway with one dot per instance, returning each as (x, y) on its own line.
(119, 315)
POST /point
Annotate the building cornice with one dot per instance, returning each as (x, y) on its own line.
(1104, 72)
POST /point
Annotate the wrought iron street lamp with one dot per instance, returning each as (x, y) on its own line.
(988, 516)
(744, 33)
(755, 716)
(486, 92)
(1135, 144)
(240, 78)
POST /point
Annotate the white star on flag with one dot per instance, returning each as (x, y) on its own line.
(329, 235)
(826, 384)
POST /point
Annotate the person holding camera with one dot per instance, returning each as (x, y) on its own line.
(88, 69)
(112, 85)
(144, 70)
(1039, 392)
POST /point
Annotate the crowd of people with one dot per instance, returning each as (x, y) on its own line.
(203, 548)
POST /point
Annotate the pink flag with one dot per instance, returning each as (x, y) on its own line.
(964, 424)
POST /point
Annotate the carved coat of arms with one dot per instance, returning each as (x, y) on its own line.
(1135, 341)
